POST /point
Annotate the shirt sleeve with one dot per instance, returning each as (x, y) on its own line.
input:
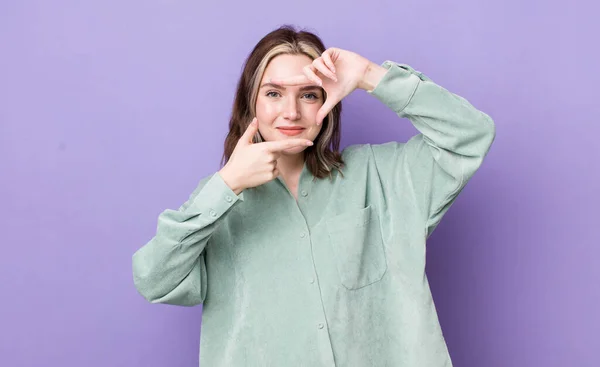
(453, 139)
(170, 268)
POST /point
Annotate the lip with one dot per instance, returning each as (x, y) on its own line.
(290, 131)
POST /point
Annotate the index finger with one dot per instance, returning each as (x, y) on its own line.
(293, 80)
(279, 145)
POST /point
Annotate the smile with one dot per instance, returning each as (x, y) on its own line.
(290, 131)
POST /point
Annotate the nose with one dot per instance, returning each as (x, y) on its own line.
(290, 110)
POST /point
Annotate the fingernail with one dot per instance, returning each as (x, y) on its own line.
(309, 143)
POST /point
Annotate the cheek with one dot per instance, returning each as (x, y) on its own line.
(309, 112)
(312, 108)
(266, 112)
(314, 131)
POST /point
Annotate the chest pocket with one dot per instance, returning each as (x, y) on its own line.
(357, 243)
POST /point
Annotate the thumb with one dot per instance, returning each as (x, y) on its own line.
(325, 109)
(246, 139)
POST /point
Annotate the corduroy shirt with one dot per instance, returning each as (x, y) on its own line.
(337, 277)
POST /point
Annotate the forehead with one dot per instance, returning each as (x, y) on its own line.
(283, 66)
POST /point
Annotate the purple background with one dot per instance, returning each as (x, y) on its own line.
(112, 111)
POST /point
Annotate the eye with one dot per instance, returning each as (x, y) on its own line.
(311, 96)
(271, 94)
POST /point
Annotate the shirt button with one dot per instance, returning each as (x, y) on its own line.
(321, 326)
(304, 193)
(213, 213)
(302, 234)
(312, 280)
(228, 198)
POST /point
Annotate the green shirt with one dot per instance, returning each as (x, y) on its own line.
(336, 278)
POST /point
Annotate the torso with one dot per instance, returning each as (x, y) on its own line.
(315, 265)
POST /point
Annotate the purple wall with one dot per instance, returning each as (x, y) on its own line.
(111, 112)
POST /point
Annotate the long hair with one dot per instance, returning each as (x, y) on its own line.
(322, 157)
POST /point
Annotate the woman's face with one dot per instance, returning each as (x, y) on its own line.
(288, 112)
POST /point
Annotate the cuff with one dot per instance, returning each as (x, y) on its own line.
(397, 86)
(215, 198)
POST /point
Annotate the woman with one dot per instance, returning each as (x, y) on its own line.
(300, 255)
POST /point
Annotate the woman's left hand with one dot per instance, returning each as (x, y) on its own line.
(339, 73)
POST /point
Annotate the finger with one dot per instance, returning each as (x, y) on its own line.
(250, 131)
(274, 157)
(325, 109)
(280, 145)
(292, 80)
(327, 59)
(310, 73)
(319, 64)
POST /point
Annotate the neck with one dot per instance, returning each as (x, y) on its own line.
(290, 166)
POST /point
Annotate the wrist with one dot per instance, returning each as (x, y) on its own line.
(233, 184)
(372, 76)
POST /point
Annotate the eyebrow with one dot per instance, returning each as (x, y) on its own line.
(307, 87)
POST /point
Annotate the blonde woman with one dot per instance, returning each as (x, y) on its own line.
(302, 255)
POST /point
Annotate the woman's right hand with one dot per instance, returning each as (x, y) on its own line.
(253, 164)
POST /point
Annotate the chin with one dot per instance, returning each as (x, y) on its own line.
(293, 151)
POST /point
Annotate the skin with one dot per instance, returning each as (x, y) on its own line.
(297, 106)
(294, 97)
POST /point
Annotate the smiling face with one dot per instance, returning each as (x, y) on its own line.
(288, 112)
